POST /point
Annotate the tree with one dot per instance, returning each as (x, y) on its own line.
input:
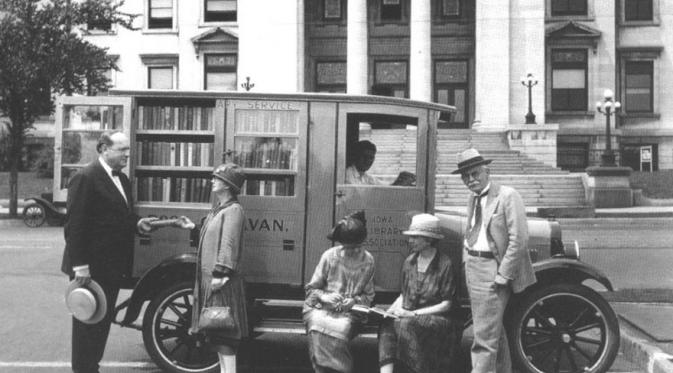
(43, 54)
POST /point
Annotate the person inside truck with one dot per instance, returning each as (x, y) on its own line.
(363, 156)
(422, 338)
(364, 153)
(343, 278)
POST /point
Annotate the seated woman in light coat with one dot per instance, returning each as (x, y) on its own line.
(422, 339)
(344, 277)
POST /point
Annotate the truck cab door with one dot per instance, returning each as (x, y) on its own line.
(388, 197)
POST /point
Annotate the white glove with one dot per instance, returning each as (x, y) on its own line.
(82, 274)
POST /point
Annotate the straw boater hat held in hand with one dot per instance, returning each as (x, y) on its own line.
(86, 303)
(469, 158)
(425, 225)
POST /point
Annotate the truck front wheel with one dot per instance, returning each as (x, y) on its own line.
(563, 328)
(165, 333)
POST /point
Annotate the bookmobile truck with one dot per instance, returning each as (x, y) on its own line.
(294, 150)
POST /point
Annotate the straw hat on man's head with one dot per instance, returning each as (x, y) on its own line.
(469, 158)
(86, 303)
(425, 225)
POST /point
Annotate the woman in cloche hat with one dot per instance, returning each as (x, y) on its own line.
(343, 278)
(218, 279)
(422, 338)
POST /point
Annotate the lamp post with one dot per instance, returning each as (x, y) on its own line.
(607, 107)
(247, 85)
(529, 81)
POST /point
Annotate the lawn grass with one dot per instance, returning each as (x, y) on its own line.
(29, 185)
(657, 184)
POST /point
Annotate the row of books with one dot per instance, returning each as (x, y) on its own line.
(173, 189)
(187, 118)
(267, 121)
(280, 187)
(184, 154)
(271, 153)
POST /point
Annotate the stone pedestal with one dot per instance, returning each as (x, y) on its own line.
(535, 141)
(608, 187)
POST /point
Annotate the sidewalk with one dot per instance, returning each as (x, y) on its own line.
(647, 335)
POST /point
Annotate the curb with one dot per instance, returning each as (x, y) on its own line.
(643, 352)
(11, 223)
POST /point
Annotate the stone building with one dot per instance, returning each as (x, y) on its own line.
(469, 53)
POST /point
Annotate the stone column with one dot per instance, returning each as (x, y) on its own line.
(492, 60)
(356, 48)
(420, 54)
(527, 54)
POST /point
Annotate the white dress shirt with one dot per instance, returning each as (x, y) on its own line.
(115, 179)
(482, 242)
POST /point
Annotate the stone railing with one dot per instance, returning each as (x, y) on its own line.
(535, 141)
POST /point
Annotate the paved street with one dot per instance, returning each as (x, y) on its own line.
(634, 254)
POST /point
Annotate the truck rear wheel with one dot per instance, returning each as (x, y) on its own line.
(563, 328)
(165, 333)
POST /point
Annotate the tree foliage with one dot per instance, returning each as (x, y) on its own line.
(43, 54)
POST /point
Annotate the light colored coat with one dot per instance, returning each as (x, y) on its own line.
(220, 245)
(507, 234)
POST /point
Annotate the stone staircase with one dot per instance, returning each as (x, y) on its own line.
(536, 190)
(539, 184)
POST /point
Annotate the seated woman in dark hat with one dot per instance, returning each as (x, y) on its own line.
(422, 339)
(343, 278)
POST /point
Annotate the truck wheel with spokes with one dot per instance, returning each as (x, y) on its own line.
(165, 333)
(563, 328)
(34, 215)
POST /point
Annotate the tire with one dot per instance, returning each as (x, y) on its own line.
(563, 328)
(34, 215)
(165, 324)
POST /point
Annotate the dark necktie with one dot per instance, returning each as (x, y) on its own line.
(473, 231)
(116, 173)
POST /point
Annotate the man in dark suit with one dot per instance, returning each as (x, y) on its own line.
(99, 235)
(496, 259)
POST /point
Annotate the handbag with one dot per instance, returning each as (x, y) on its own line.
(216, 318)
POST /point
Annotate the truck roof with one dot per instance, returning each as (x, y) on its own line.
(313, 96)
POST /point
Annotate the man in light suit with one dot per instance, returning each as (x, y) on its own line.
(99, 235)
(496, 259)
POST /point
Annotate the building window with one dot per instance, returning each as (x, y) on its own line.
(634, 155)
(449, 8)
(391, 79)
(161, 70)
(391, 10)
(572, 156)
(569, 80)
(331, 77)
(638, 10)
(98, 25)
(639, 86)
(220, 10)
(451, 87)
(160, 77)
(160, 14)
(220, 72)
(568, 7)
(333, 10)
